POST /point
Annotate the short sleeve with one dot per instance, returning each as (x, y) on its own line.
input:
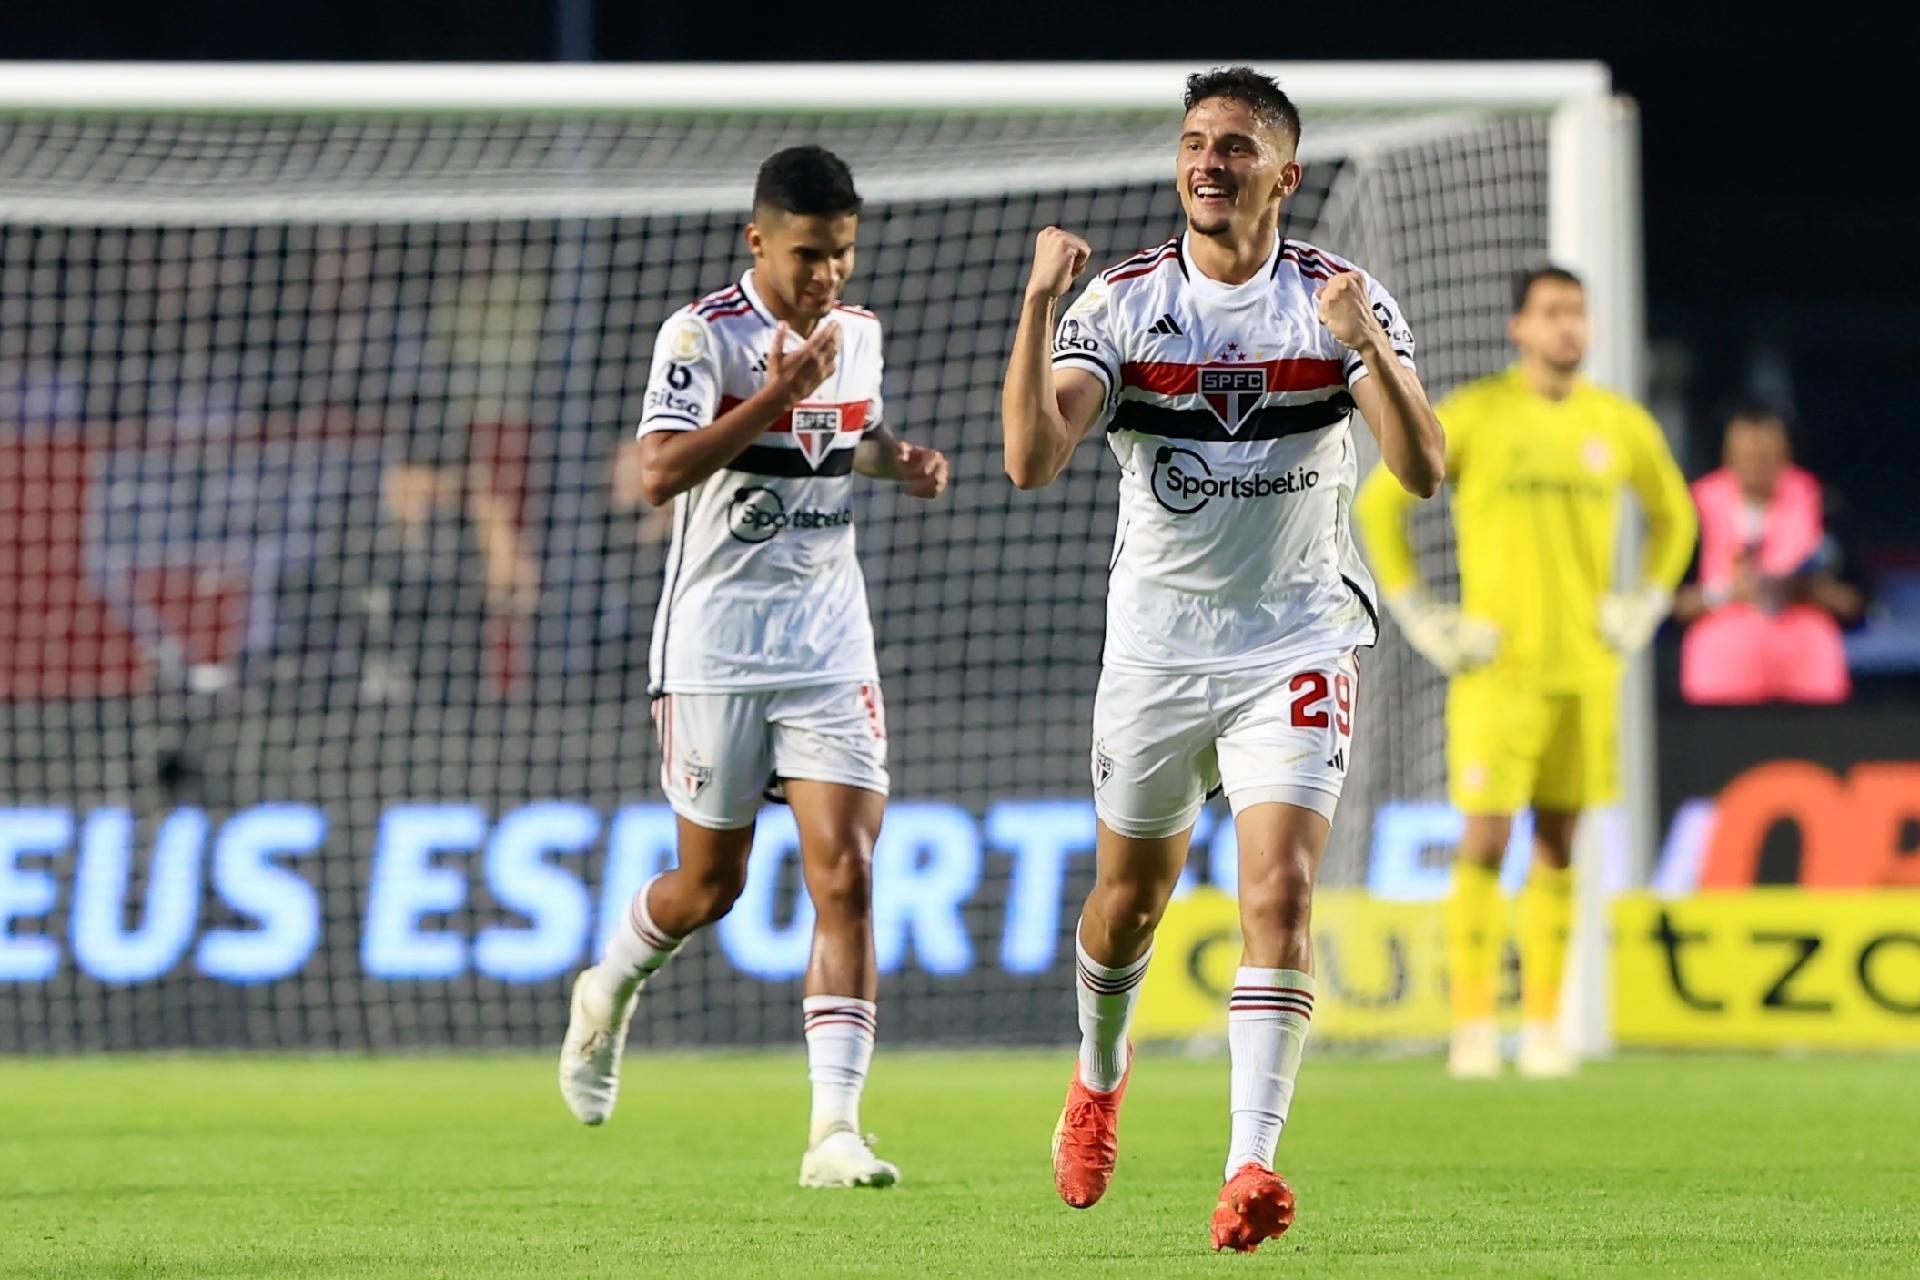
(683, 388)
(1399, 333)
(1084, 338)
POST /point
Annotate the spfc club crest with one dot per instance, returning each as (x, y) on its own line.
(1232, 392)
(695, 774)
(814, 430)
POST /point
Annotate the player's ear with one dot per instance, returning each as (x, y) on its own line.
(753, 238)
(1290, 176)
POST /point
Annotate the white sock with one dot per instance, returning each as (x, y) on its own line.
(1267, 1019)
(839, 1049)
(1106, 997)
(636, 949)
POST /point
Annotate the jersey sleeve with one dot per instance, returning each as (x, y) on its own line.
(683, 388)
(1380, 511)
(1399, 333)
(1665, 500)
(1085, 339)
(1457, 412)
(1383, 506)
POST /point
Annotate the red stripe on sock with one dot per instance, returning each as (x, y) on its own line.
(1110, 986)
(840, 1022)
(1269, 1004)
(839, 1013)
(646, 932)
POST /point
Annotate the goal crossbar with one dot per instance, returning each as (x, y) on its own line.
(1002, 86)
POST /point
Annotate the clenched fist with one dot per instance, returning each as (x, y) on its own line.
(1347, 313)
(1058, 256)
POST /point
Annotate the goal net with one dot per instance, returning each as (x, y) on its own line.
(323, 620)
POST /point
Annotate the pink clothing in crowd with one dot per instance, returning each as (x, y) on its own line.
(1740, 652)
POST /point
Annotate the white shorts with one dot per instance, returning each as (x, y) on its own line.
(722, 753)
(1163, 743)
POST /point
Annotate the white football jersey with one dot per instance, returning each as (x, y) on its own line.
(762, 586)
(1227, 407)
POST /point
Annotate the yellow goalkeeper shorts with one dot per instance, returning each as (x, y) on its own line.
(1511, 746)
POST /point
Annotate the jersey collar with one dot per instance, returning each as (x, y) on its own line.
(753, 297)
(1231, 295)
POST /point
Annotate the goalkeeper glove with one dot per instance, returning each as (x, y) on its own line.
(1628, 619)
(1443, 635)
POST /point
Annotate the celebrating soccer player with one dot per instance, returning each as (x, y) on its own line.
(1223, 365)
(764, 397)
(1539, 458)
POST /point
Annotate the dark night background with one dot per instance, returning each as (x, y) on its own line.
(1780, 249)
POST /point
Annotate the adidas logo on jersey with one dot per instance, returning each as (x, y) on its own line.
(1168, 326)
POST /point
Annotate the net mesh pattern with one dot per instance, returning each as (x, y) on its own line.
(323, 635)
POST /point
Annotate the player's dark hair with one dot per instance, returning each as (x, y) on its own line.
(1270, 104)
(1524, 282)
(810, 181)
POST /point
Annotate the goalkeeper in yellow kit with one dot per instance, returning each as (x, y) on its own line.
(1537, 457)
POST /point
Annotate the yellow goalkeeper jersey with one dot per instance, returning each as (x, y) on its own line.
(1536, 488)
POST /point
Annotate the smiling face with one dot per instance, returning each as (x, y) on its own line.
(801, 262)
(1234, 170)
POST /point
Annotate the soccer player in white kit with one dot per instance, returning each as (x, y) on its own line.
(1223, 366)
(763, 399)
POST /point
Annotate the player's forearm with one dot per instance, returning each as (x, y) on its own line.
(1672, 527)
(1380, 512)
(875, 456)
(672, 462)
(874, 459)
(1669, 549)
(1412, 442)
(1037, 441)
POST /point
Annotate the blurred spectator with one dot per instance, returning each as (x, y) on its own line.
(454, 558)
(451, 556)
(1764, 619)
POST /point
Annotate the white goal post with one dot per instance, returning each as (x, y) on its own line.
(1593, 213)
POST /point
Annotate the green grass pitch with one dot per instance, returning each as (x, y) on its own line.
(469, 1166)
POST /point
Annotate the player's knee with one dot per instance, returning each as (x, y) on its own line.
(1484, 842)
(715, 889)
(1128, 908)
(842, 885)
(1280, 898)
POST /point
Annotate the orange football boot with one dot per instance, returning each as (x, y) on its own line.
(1255, 1205)
(1086, 1141)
